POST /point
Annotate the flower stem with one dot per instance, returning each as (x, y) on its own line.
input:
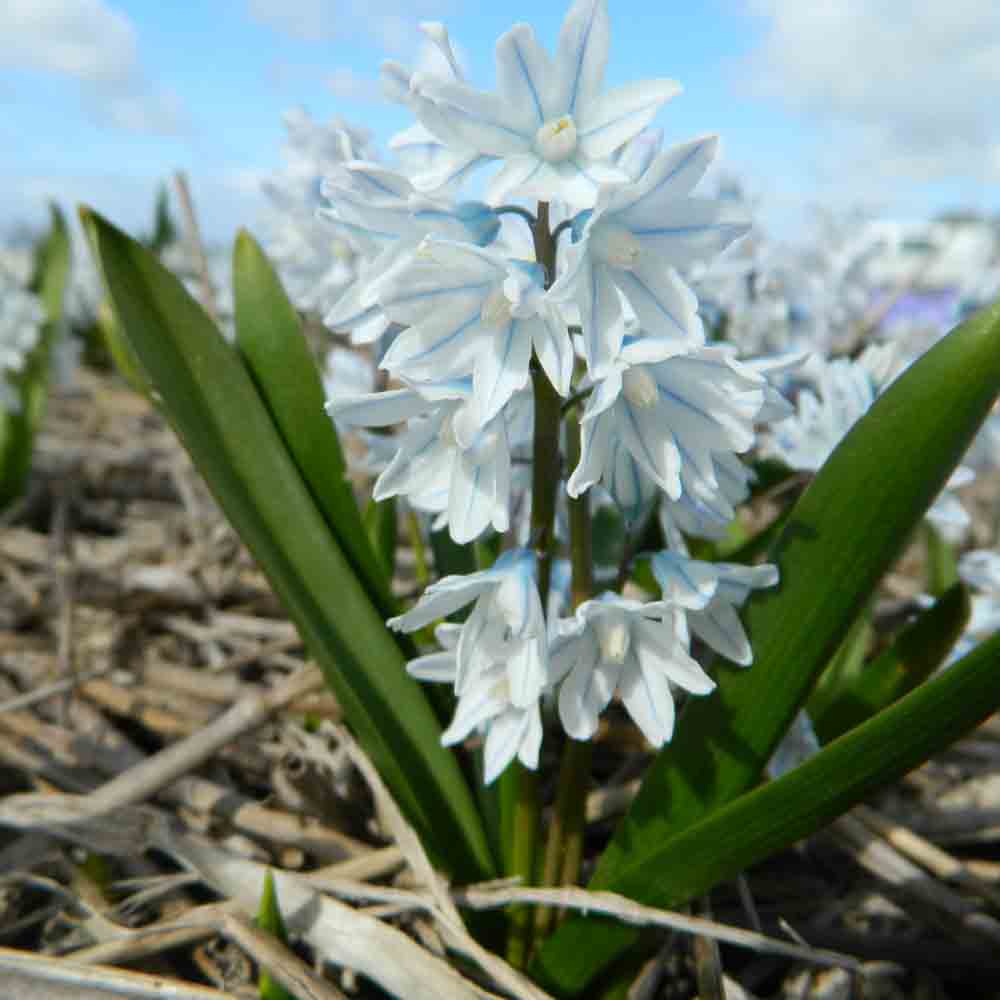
(544, 475)
(523, 823)
(517, 210)
(545, 469)
(564, 847)
(525, 815)
(422, 570)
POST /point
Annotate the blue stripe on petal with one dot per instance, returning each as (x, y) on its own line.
(667, 178)
(581, 55)
(631, 113)
(625, 276)
(446, 340)
(531, 83)
(454, 109)
(686, 404)
(430, 293)
(740, 227)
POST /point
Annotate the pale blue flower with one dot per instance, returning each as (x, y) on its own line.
(473, 311)
(446, 461)
(844, 391)
(379, 211)
(549, 121)
(313, 272)
(633, 242)
(796, 747)
(432, 165)
(485, 705)
(704, 510)
(673, 412)
(710, 594)
(21, 319)
(980, 569)
(506, 625)
(639, 650)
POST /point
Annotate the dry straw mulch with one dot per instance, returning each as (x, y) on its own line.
(164, 742)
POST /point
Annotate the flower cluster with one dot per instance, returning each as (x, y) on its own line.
(833, 396)
(314, 268)
(21, 319)
(485, 313)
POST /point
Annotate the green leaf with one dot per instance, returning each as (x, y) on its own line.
(49, 278)
(269, 919)
(608, 533)
(124, 358)
(269, 336)
(212, 402)
(50, 268)
(382, 529)
(844, 533)
(450, 558)
(782, 812)
(164, 230)
(942, 562)
(917, 652)
(844, 670)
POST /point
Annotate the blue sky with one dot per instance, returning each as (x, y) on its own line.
(873, 103)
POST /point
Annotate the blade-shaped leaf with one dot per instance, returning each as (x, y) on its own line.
(917, 652)
(942, 561)
(798, 804)
(269, 919)
(269, 335)
(382, 528)
(213, 404)
(844, 533)
(841, 674)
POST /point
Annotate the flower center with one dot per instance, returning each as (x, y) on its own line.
(614, 639)
(555, 141)
(639, 387)
(495, 312)
(615, 245)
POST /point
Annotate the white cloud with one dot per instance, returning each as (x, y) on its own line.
(308, 20)
(349, 86)
(903, 89)
(90, 42)
(391, 23)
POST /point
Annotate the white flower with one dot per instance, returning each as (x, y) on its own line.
(633, 241)
(639, 650)
(673, 411)
(21, 319)
(710, 594)
(445, 461)
(380, 212)
(549, 122)
(432, 165)
(314, 269)
(707, 511)
(484, 704)
(471, 310)
(980, 569)
(506, 625)
(845, 391)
